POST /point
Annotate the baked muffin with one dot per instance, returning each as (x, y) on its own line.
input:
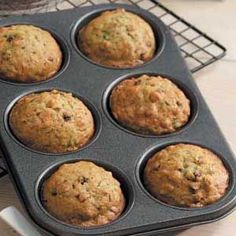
(150, 105)
(118, 38)
(83, 194)
(52, 121)
(186, 175)
(28, 54)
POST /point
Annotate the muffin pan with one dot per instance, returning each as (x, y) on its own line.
(124, 153)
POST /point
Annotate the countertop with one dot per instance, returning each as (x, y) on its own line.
(217, 83)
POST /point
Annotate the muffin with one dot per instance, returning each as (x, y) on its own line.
(150, 105)
(53, 121)
(28, 54)
(83, 194)
(186, 175)
(118, 38)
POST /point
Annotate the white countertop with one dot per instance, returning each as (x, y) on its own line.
(217, 83)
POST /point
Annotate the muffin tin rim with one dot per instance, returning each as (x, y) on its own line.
(147, 16)
(154, 148)
(107, 166)
(188, 92)
(64, 48)
(91, 107)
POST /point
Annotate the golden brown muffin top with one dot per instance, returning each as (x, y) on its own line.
(52, 121)
(186, 175)
(83, 194)
(28, 54)
(150, 105)
(118, 38)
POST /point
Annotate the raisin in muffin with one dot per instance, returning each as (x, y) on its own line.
(186, 175)
(52, 121)
(28, 54)
(83, 194)
(150, 105)
(118, 38)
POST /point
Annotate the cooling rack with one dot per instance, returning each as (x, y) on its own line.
(198, 49)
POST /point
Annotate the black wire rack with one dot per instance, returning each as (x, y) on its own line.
(2, 169)
(198, 49)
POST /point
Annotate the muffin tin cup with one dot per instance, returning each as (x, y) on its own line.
(88, 104)
(126, 187)
(65, 55)
(156, 148)
(124, 153)
(83, 21)
(187, 91)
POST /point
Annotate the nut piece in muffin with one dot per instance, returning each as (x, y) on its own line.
(186, 175)
(53, 121)
(118, 38)
(150, 105)
(28, 54)
(83, 194)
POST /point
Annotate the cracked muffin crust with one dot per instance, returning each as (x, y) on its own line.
(83, 194)
(118, 38)
(28, 54)
(52, 121)
(150, 105)
(186, 175)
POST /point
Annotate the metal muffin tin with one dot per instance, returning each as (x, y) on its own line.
(117, 149)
